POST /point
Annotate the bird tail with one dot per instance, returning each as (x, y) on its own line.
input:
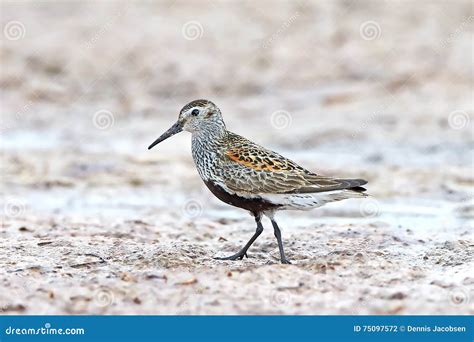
(357, 190)
(346, 194)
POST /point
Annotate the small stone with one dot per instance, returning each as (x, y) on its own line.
(190, 281)
(441, 283)
(468, 281)
(397, 296)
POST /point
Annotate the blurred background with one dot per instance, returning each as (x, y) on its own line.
(93, 222)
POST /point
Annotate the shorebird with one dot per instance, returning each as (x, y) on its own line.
(249, 176)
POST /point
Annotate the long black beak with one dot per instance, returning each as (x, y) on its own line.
(176, 128)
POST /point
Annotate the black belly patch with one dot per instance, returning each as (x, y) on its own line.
(255, 205)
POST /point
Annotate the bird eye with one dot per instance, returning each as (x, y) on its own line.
(195, 112)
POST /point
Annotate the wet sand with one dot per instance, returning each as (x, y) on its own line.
(93, 223)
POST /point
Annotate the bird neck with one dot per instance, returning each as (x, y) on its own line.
(207, 145)
(210, 134)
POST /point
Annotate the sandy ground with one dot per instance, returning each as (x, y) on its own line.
(93, 223)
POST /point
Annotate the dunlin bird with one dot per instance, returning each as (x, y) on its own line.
(249, 176)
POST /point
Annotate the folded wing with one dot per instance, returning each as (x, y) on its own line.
(250, 168)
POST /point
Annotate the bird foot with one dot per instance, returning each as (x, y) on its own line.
(240, 255)
(285, 261)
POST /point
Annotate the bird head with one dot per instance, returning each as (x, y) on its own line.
(196, 116)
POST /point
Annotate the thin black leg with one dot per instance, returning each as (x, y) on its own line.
(243, 252)
(277, 232)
